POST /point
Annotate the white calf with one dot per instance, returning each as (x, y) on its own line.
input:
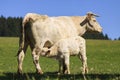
(64, 48)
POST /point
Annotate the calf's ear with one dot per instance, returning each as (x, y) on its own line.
(48, 44)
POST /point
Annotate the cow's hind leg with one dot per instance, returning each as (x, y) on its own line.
(20, 57)
(36, 55)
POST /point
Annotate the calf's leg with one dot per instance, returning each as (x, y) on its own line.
(60, 66)
(66, 64)
(84, 63)
(83, 58)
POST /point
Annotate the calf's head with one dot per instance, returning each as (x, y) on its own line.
(46, 48)
(45, 51)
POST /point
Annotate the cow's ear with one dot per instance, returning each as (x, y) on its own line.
(89, 15)
(48, 44)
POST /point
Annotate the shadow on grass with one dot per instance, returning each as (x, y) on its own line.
(54, 76)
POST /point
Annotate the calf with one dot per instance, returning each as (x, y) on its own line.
(64, 48)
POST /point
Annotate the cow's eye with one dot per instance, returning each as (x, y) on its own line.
(94, 20)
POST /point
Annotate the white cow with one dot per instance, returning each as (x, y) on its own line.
(37, 29)
(64, 48)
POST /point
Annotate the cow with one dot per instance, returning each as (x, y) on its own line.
(37, 29)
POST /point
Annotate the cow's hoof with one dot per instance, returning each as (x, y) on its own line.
(19, 72)
(39, 72)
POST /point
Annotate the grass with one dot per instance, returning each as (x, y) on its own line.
(103, 62)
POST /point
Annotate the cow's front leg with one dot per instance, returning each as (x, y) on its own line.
(36, 55)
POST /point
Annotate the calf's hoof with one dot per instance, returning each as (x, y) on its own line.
(67, 72)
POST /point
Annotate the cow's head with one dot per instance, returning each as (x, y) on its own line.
(91, 23)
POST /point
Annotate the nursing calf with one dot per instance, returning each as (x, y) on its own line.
(64, 48)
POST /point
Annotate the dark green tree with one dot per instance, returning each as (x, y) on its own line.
(10, 26)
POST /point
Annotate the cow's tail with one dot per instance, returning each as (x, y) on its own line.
(22, 38)
(26, 20)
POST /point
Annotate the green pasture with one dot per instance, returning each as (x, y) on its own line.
(103, 62)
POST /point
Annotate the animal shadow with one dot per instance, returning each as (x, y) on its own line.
(55, 76)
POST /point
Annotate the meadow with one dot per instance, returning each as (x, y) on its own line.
(103, 62)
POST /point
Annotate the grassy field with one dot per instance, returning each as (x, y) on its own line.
(103, 62)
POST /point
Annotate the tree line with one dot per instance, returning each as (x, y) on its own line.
(10, 27)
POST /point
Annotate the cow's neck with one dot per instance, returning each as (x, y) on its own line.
(82, 30)
(77, 20)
